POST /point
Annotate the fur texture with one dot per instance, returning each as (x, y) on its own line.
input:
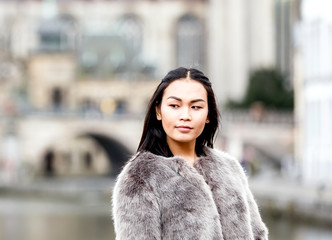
(165, 198)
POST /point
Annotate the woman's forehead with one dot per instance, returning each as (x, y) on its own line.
(185, 88)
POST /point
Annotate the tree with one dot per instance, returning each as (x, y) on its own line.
(266, 86)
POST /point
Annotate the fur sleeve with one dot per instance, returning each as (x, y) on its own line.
(259, 229)
(135, 208)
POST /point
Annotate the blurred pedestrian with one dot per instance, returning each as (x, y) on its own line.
(177, 186)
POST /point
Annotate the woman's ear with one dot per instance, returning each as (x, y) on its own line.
(158, 114)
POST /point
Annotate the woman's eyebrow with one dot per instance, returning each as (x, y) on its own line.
(197, 100)
(192, 101)
(176, 98)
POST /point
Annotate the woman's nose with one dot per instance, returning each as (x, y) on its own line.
(185, 114)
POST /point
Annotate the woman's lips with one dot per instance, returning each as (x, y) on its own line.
(184, 128)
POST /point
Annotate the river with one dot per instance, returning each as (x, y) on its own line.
(88, 218)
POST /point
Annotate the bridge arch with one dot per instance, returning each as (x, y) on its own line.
(114, 151)
(117, 153)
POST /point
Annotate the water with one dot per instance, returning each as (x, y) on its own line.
(89, 218)
(281, 228)
(55, 227)
(40, 219)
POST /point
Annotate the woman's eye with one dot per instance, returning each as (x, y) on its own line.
(196, 107)
(174, 105)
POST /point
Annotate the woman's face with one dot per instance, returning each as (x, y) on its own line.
(183, 111)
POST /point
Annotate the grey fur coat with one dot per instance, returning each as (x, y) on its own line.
(165, 198)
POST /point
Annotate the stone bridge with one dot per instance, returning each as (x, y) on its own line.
(37, 139)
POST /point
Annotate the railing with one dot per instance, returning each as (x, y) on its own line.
(65, 113)
(266, 117)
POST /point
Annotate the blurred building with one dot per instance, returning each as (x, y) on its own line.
(142, 40)
(313, 82)
(105, 57)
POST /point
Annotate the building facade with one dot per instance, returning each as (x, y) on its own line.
(137, 41)
(314, 96)
(105, 57)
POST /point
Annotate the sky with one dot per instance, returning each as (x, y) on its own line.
(317, 9)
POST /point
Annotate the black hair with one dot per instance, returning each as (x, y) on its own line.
(154, 137)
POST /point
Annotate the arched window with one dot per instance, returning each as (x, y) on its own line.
(189, 42)
(101, 55)
(58, 34)
(129, 28)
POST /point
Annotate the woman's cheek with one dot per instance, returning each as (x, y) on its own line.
(202, 116)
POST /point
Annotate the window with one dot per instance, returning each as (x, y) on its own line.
(283, 37)
(129, 28)
(57, 34)
(189, 38)
(101, 55)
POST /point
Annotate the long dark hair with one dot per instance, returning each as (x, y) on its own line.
(154, 137)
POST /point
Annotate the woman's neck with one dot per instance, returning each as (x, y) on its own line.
(186, 150)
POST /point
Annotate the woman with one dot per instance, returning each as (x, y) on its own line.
(177, 186)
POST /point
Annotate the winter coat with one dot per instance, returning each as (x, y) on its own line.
(157, 197)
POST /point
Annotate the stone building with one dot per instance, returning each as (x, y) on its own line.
(128, 41)
(313, 86)
(105, 57)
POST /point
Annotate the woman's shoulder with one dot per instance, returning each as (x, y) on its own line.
(140, 166)
(220, 157)
(223, 165)
(139, 162)
(136, 174)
